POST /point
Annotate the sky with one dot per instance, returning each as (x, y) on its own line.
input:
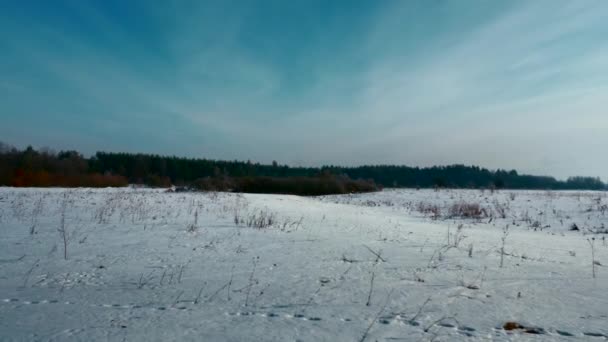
(501, 84)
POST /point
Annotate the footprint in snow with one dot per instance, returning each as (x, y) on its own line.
(275, 315)
(564, 333)
(467, 329)
(594, 334)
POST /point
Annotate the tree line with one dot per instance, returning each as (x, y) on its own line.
(44, 167)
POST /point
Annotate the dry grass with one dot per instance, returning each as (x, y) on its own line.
(467, 210)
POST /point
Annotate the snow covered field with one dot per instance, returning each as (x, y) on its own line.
(398, 265)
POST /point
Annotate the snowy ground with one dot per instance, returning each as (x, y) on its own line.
(398, 265)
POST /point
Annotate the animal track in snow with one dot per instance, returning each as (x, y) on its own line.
(109, 306)
(35, 302)
(595, 334)
(384, 320)
(276, 315)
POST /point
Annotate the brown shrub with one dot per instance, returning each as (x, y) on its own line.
(467, 210)
(429, 209)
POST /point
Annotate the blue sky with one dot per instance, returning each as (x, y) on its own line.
(501, 84)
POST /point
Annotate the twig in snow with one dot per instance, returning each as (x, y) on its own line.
(218, 291)
(505, 233)
(230, 282)
(420, 309)
(6, 261)
(177, 298)
(371, 289)
(593, 262)
(198, 297)
(62, 226)
(181, 270)
(312, 298)
(251, 281)
(350, 261)
(163, 277)
(345, 272)
(376, 317)
(143, 281)
(26, 277)
(439, 321)
(377, 254)
(262, 292)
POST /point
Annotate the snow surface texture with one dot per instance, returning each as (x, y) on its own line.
(398, 265)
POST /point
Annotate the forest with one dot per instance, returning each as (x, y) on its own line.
(45, 168)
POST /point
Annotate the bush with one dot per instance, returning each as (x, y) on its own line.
(467, 210)
(214, 184)
(429, 209)
(157, 181)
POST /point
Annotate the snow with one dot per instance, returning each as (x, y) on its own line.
(146, 265)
